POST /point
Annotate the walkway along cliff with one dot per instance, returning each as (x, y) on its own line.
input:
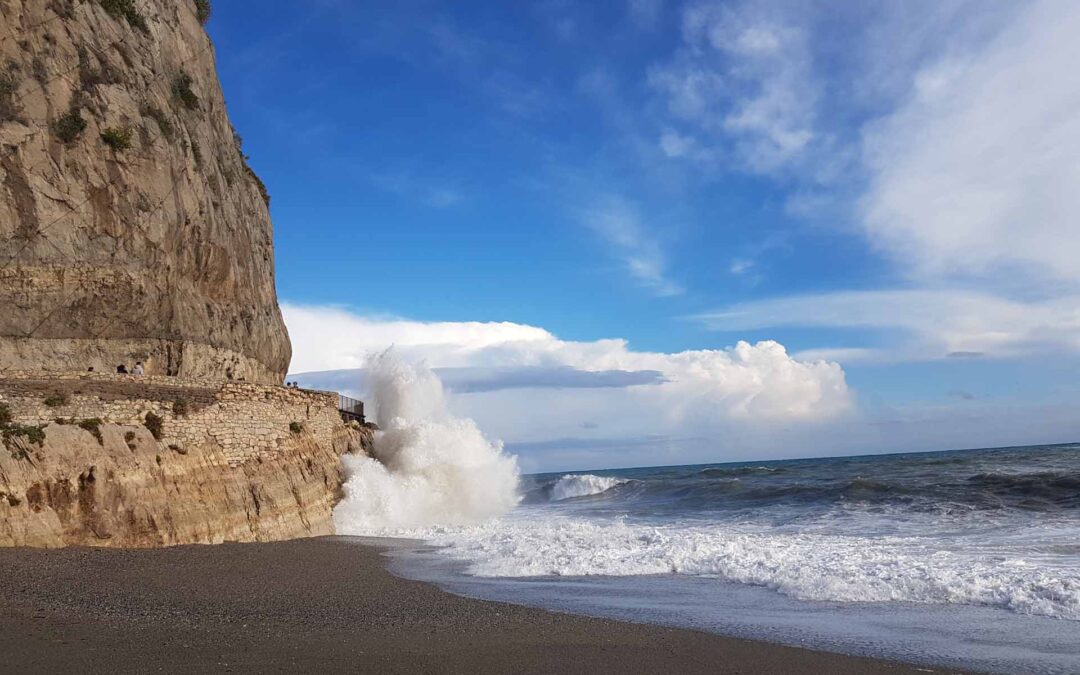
(133, 230)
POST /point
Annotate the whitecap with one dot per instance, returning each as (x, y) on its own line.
(583, 485)
(805, 566)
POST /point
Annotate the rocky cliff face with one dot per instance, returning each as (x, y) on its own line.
(129, 490)
(109, 460)
(131, 227)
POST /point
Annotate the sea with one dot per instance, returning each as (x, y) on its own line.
(966, 558)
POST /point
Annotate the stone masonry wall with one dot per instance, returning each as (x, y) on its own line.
(226, 468)
(245, 420)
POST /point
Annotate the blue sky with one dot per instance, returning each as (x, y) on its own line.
(885, 189)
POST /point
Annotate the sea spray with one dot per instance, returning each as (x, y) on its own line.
(430, 468)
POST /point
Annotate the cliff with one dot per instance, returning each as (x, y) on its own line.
(98, 460)
(131, 227)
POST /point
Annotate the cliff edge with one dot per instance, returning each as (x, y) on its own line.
(131, 227)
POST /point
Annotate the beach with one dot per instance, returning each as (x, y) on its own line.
(325, 605)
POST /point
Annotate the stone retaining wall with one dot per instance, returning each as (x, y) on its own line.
(246, 421)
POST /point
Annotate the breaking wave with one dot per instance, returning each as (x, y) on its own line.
(430, 468)
(806, 566)
(994, 528)
(572, 485)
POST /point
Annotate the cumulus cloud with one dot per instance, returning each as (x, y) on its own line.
(473, 379)
(653, 408)
(523, 383)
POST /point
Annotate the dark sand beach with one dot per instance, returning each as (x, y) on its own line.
(325, 605)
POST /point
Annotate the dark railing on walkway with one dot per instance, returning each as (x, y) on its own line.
(351, 409)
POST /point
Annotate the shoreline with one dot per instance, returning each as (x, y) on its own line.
(328, 604)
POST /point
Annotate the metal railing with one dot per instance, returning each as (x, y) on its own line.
(351, 408)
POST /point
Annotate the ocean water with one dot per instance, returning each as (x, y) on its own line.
(967, 558)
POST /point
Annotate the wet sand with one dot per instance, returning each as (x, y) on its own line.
(325, 605)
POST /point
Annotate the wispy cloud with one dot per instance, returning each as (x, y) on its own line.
(407, 185)
(619, 224)
(741, 266)
(442, 198)
(932, 325)
(742, 85)
(765, 87)
(950, 146)
(975, 174)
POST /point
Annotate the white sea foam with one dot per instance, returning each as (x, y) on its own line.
(806, 566)
(431, 468)
(439, 479)
(582, 485)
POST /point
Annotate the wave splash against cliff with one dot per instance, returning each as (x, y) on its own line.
(430, 468)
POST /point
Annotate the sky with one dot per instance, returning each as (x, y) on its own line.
(644, 232)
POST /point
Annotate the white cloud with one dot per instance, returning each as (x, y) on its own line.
(741, 266)
(742, 403)
(326, 338)
(674, 144)
(786, 87)
(618, 222)
(949, 137)
(976, 173)
(691, 90)
(742, 77)
(847, 355)
(932, 324)
(699, 391)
